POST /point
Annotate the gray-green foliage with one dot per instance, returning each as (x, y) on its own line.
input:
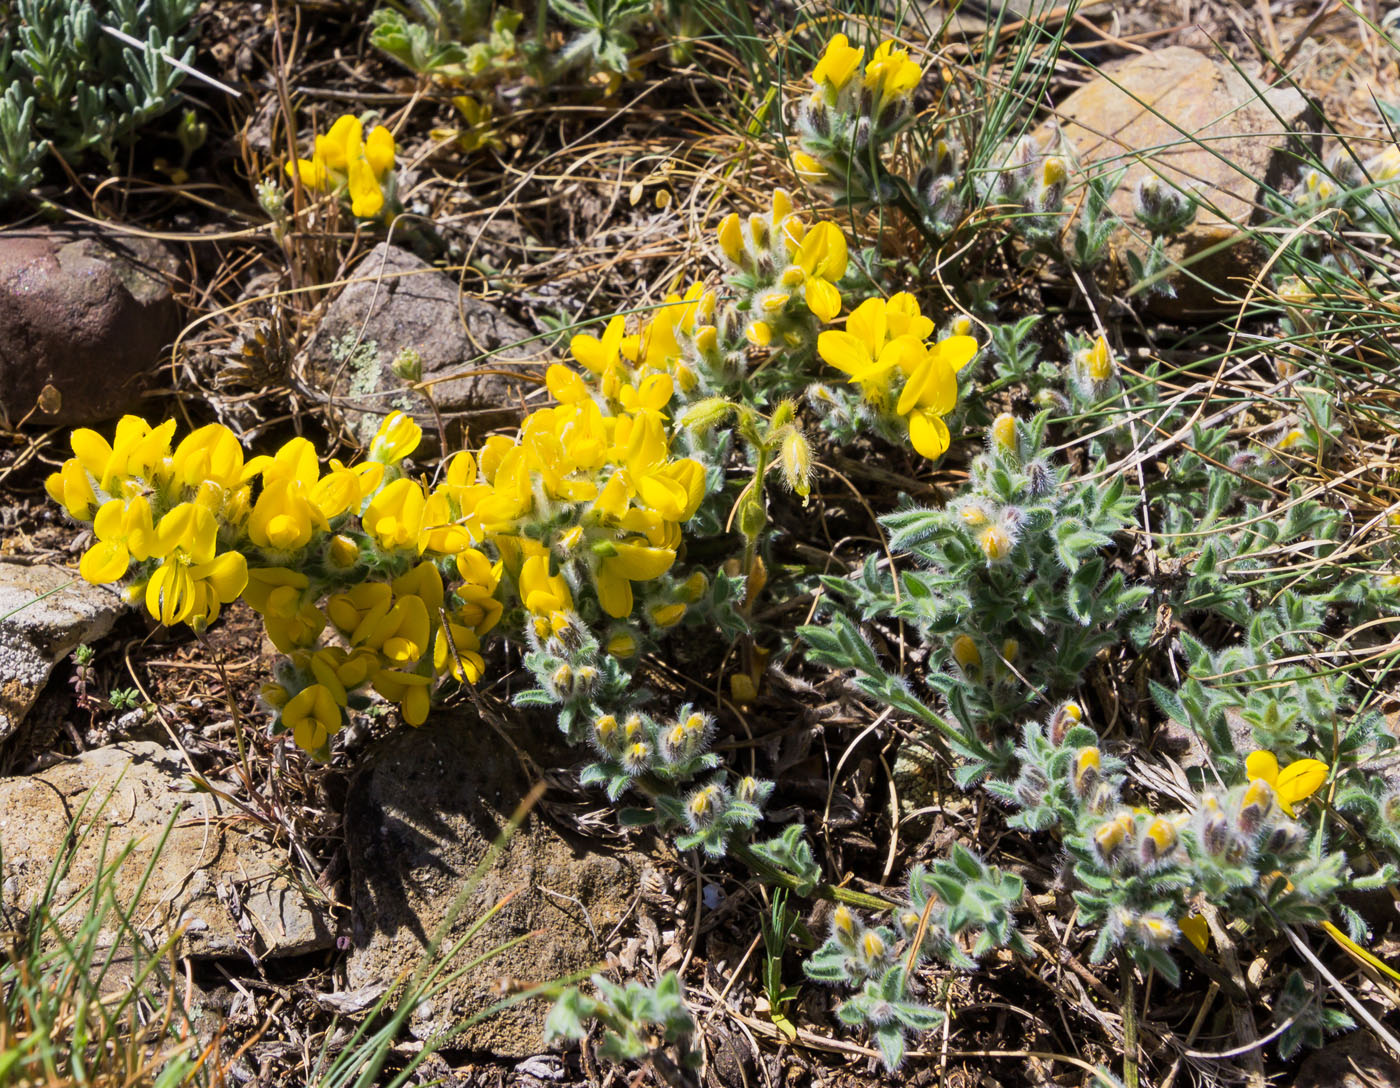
(956, 910)
(470, 40)
(73, 88)
(638, 1021)
(1009, 588)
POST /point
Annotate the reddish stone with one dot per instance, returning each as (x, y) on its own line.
(86, 318)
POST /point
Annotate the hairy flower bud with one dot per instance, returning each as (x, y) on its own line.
(1158, 840)
(1065, 718)
(1257, 803)
(1088, 766)
(966, 654)
(995, 542)
(795, 457)
(1004, 434)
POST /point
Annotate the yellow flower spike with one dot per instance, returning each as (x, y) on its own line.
(397, 437)
(313, 717)
(839, 61)
(823, 257)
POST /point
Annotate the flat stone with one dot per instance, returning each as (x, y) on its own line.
(85, 320)
(396, 301)
(422, 813)
(226, 881)
(1201, 126)
(45, 614)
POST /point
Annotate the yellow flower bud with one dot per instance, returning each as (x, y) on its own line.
(1098, 361)
(995, 543)
(966, 654)
(795, 458)
(342, 551)
(759, 333)
(1004, 433)
(742, 688)
(622, 645)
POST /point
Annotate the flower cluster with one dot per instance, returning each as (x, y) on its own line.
(956, 910)
(366, 577)
(884, 352)
(786, 271)
(346, 161)
(1143, 874)
(854, 106)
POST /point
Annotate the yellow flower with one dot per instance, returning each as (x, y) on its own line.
(343, 157)
(881, 338)
(1296, 782)
(394, 517)
(124, 531)
(822, 257)
(931, 392)
(891, 75)
(71, 488)
(1194, 928)
(193, 582)
(629, 562)
(1098, 361)
(313, 716)
(137, 449)
(397, 437)
(210, 454)
(838, 63)
(409, 690)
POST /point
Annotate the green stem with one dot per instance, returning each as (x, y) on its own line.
(773, 875)
(1130, 1023)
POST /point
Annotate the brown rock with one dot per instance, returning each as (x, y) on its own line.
(471, 353)
(422, 815)
(1201, 126)
(45, 613)
(225, 880)
(1356, 1061)
(85, 319)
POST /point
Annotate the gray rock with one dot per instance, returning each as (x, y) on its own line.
(1201, 126)
(45, 613)
(224, 880)
(88, 313)
(421, 816)
(471, 353)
